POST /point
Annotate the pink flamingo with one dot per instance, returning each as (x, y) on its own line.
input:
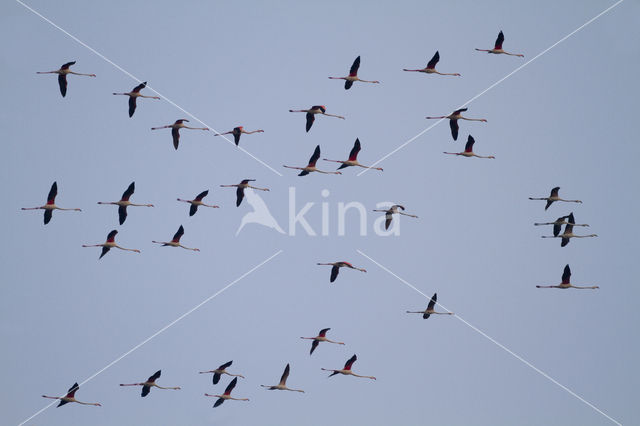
(347, 369)
(353, 158)
(566, 281)
(557, 225)
(218, 372)
(311, 167)
(135, 94)
(453, 120)
(553, 197)
(237, 132)
(175, 130)
(283, 383)
(240, 189)
(227, 394)
(198, 202)
(468, 150)
(175, 242)
(51, 204)
(124, 203)
(62, 76)
(431, 67)
(71, 397)
(497, 48)
(395, 209)
(430, 309)
(353, 75)
(336, 268)
(568, 232)
(109, 244)
(311, 114)
(321, 337)
(151, 382)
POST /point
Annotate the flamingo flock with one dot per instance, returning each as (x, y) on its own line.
(398, 210)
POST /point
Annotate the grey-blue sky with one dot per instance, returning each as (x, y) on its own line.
(564, 120)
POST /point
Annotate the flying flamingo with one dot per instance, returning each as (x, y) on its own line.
(227, 394)
(453, 120)
(175, 242)
(311, 114)
(283, 382)
(109, 244)
(347, 369)
(353, 158)
(468, 150)
(198, 202)
(70, 397)
(395, 209)
(133, 95)
(353, 75)
(568, 232)
(62, 76)
(175, 129)
(321, 337)
(557, 225)
(124, 203)
(218, 372)
(430, 309)
(237, 132)
(566, 281)
(241, 187)
(151, 382)
(51, 204)
(554, 197)
(497, 48)
(311, 167)
(336, 268)
(431, 67)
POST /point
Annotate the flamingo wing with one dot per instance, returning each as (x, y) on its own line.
(285, 374)
(225, 365)
(216, 378)
(348, 84)
(239, 196)
(323, 332)
(459, 111)
(334, 273)
(62, 82)
(218, 402)
(67, 65)
(72, 390)
(469, 146)
(127, 194)
(353, 155)
(566, 275)
(48, 214)
(310, 119)
(201, 195)
(145, 391)
(454, 128)
(105, 250)
(499, 41)
(53, 192)
(175, 134)
(564, 242)
(432, 63)
(314, 157)
(236, 135)
(349, 363)
(111, 236)
(139, 87)
(193, 209)
(155, 376)
(122, 214)
(354, 68)
(432, 302)
(556, 229)
(132, 105)
(388, 219)
(230, 386)
(176, 238)
(554, 192)
(314, 345)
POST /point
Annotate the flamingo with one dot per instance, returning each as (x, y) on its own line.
(133, 95)
(568, 232)
(554, 197)
(453, 120)
(321, 337)
(218, 372)
(557, 225)
(395, 209)
(347, 369)
(198, 202)
(353, 158)
(311, 114)
(431, 67)
(283, 383)
(241, 187)
(109, 244)
(175, 129)
(175, 242)
(497, 48)
(62, 76)
(151, 382)
(237, 132)
(566, 281)
(311, 167)
(51, 204)
(227, 394)
(430, 309)
(468, 150)
(353, 76)
(70, 397)
(336, 268)
(124, 203)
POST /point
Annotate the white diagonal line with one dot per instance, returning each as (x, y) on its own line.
(163, 329)
(500, 345)
(496, 83)
(148, 86)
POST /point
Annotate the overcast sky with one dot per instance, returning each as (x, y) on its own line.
(563, 120)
